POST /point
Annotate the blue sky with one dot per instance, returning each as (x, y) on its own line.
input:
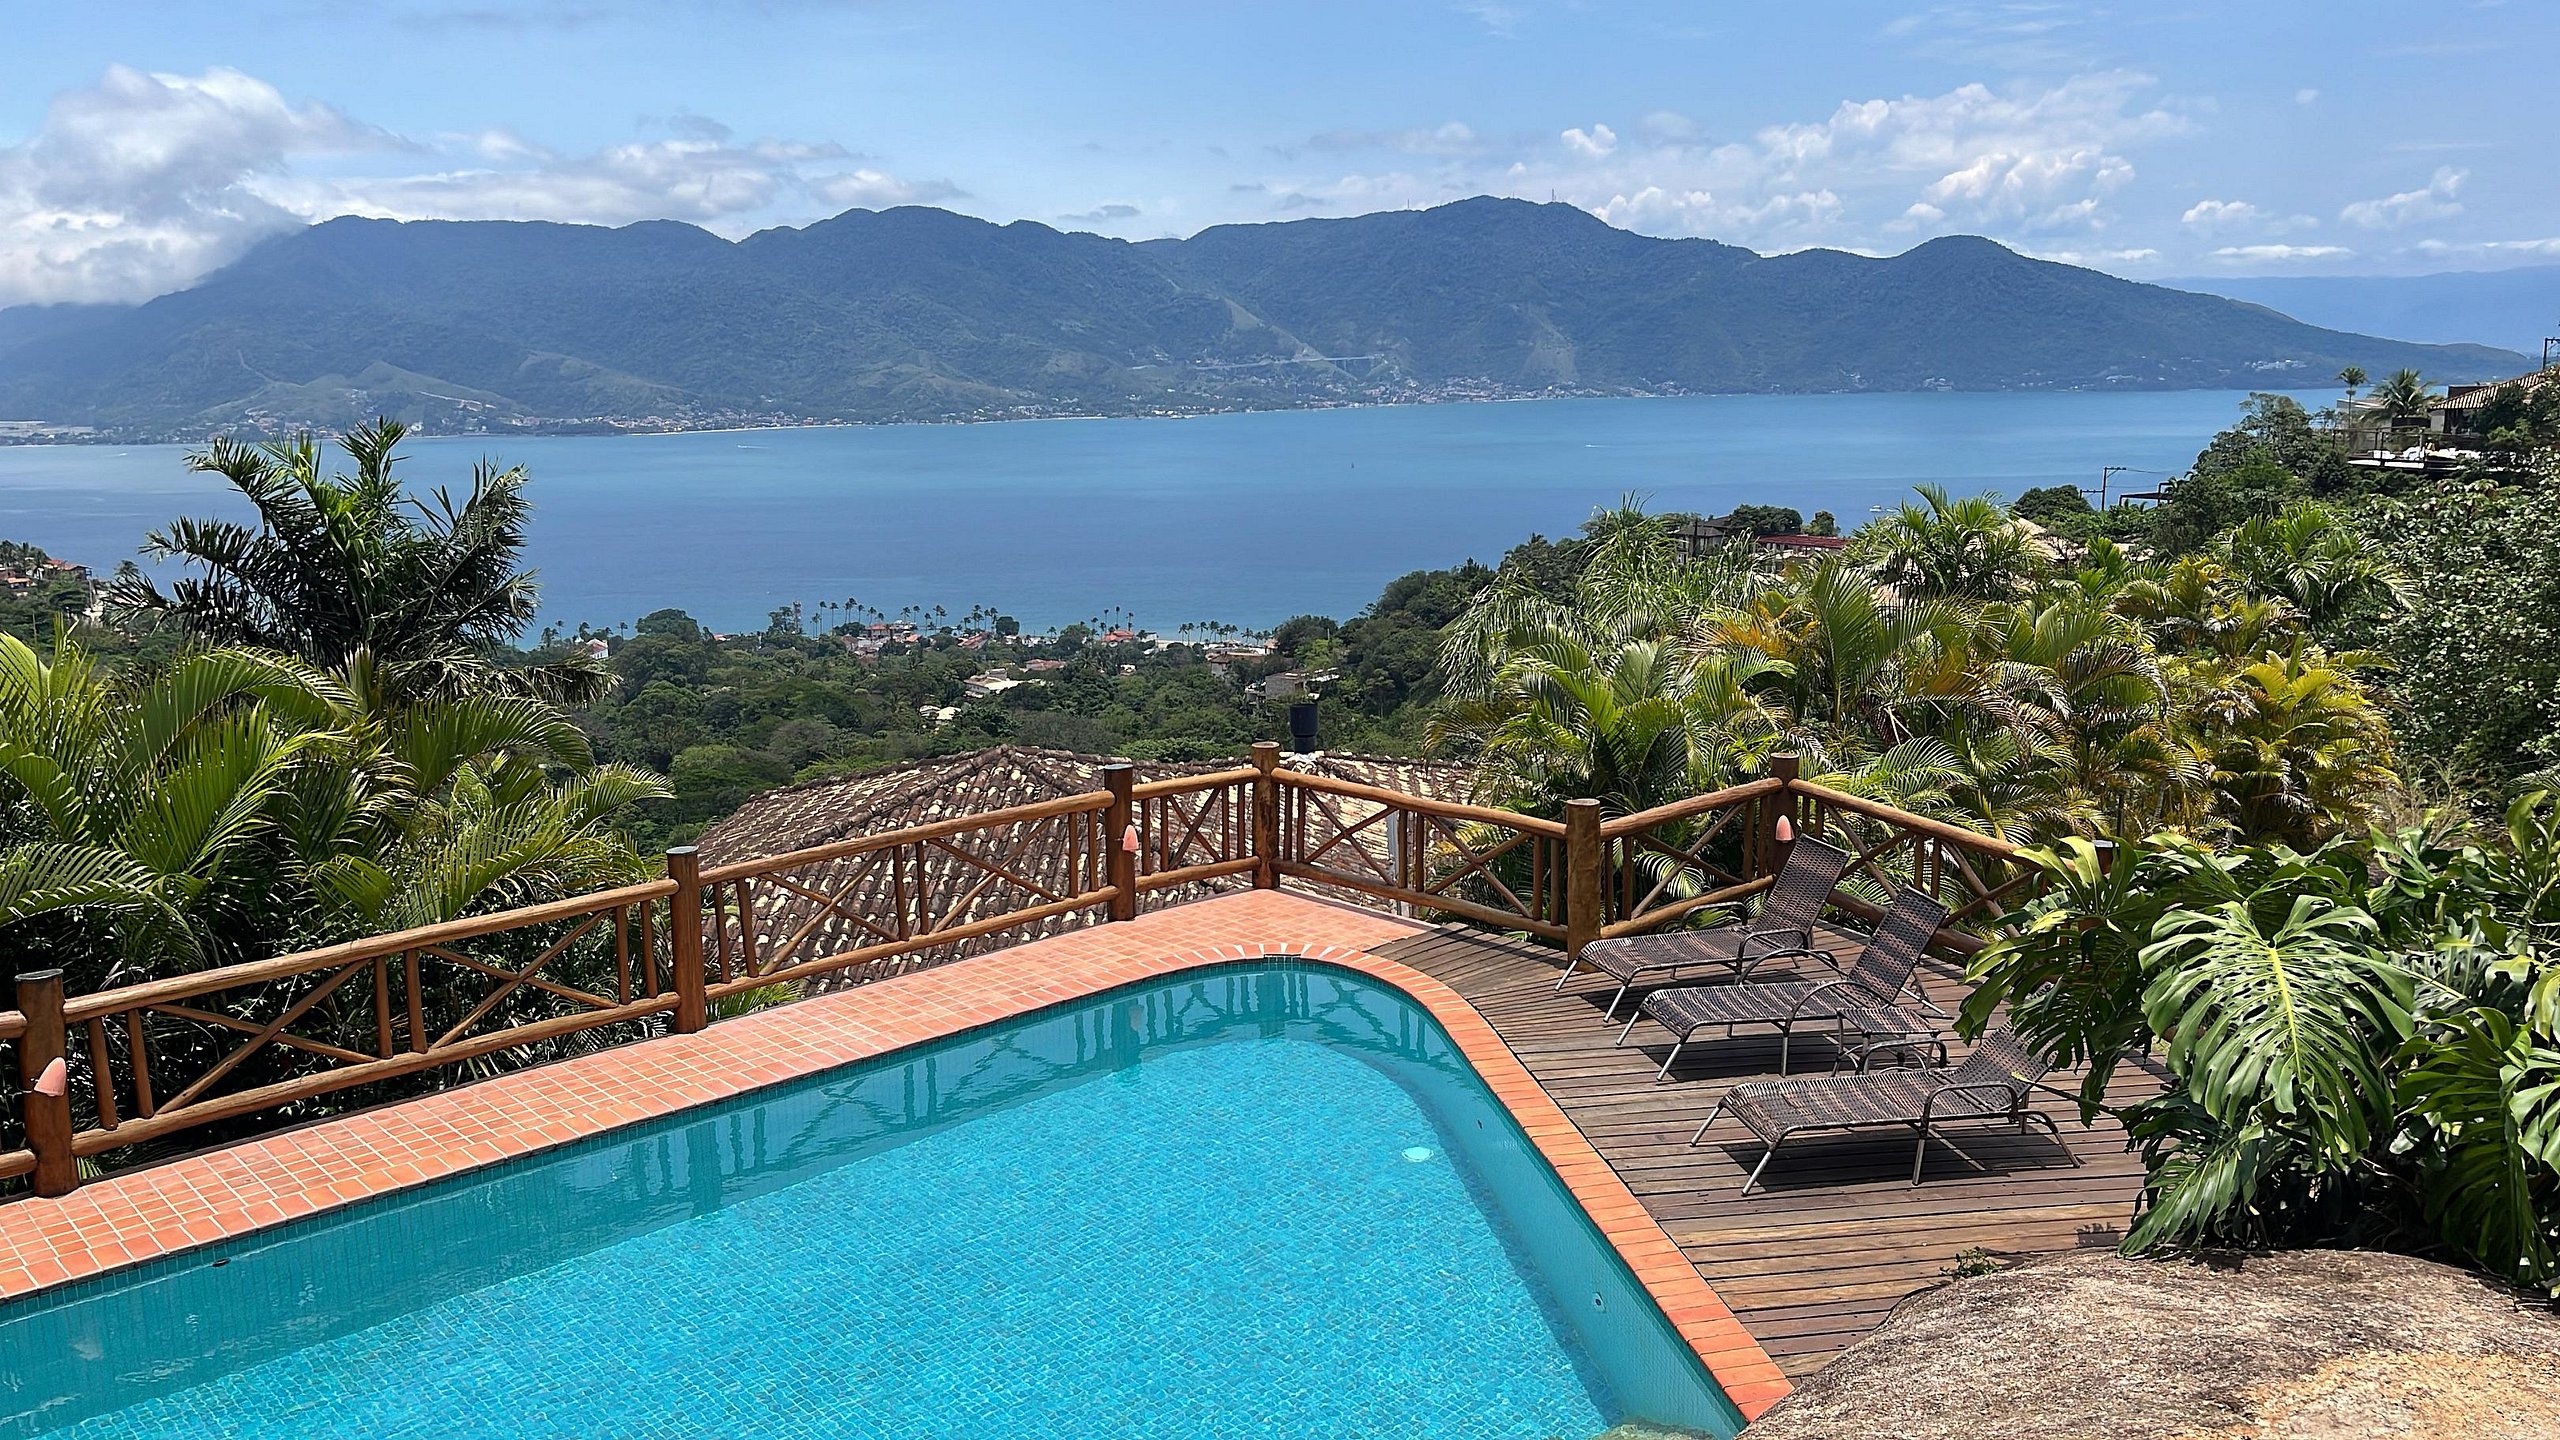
(144, 143)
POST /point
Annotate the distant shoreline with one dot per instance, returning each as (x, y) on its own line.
(621, 433)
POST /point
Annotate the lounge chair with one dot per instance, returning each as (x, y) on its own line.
(1781, 926)
(1991, 1086)
(1867, 997)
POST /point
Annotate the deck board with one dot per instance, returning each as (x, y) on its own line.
(1837, 1235)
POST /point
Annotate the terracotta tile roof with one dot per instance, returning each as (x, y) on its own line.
(2472, 397)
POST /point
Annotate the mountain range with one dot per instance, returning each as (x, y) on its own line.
(2518, 307)
(921, 314)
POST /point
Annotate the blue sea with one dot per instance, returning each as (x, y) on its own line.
(1246, 519)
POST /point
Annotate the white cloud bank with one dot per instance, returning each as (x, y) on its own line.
(2436, 201)
(2223, 215)
(2279, 254)
(143, 182)
(1597, 143)
(2033, 159)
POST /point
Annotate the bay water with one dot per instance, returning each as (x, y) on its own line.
(1246, 519)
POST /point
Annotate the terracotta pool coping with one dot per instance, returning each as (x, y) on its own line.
(200, 1199)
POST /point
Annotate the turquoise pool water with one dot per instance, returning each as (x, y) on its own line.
(1263, 1200)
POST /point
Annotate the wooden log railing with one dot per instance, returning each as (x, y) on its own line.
(1197, 830)
(154, 1059)
(1707, 852)
(873, 901)
(1975, 876)
(19, 1159)
(146, 1062)
(1491, 866)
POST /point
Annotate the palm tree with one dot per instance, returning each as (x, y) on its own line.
(241, 801)
(1841, 651)
(1615, 695)
(1634, 724)
(1961, 549)
(143, 805)
(342, 563)
(2080, 706)
(2353, 377)
(2309, 557)
(2300, 751)
(2403, 400)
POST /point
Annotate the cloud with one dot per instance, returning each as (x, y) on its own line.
(2006, 183)
(1699, 212)
(2547, 246)
(705, 181)
(1102, 214)
(2279, 254)
(874, 189)
(2411, 207)
(2131, 255)
(2049, 156)
(2033, 157)
(142, 182)
(2215, 214)
(1596, 142)
(2241, 215)
(2306, 96)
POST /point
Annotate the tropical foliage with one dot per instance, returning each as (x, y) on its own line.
(241, 802)
(344, 563)
(1948, 662)
(2356, 1013)
(265, 778)
(2362, 1041)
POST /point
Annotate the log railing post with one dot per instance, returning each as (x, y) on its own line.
(1266, 815)
(684, 938)
(1582, 865)
(44, 1088)
(1774, 841)
(1120, 823)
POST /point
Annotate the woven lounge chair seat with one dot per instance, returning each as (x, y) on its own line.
(1793, 1003)
(1868, 997)
(1626, 960)
(1782, 1107)
(1782, 926)
(1993, 1086)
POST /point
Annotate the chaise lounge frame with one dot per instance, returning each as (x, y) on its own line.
(1867, 997)
(1991, 1086)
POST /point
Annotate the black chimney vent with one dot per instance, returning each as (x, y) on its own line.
(1302, 727)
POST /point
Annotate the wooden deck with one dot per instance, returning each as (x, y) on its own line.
(1837, 1235)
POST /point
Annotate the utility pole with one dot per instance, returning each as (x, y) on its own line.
(2106, 474)
(2549, 344)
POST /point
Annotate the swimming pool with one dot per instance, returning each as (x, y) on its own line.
(1268, 1198)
